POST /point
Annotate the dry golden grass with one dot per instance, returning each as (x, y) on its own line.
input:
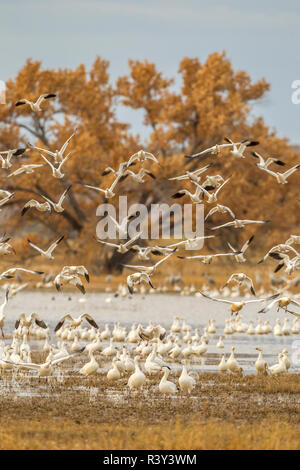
(196, 434)
(223, 412)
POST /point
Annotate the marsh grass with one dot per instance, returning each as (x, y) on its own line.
(223, 412)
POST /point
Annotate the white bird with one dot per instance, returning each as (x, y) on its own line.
(278, 368)
(239, 149)
(76, 322)
(283, 303)
(190, 243)
(232, 364)
(56, 172)
(36, 106)
(121, 247)
(186, 381)
(293, 239)
(191, 175)
(6, 162)
(76, 271)
(241, 279)
(57, 206)
(237, 223)
(27, 169)
(140, 176)
(239, 255)
(47, 253)
(206, 259)
(46, 368)
(195, 197)
(142, 156)
(90, 367)
(215, 149)
(10, 273)
(282, 177)
(220, 210)
(148, 269)
(62, 279)
(260, 364)
(138, 378)
(58, 155)
(235, 307)
(39, 206)
(212, 197)
(264, 164)
(165, 386)
(6, 199)
(136, 279)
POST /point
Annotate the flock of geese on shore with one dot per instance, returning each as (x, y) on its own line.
(154, 343)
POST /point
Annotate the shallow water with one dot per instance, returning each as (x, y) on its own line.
(161, 308)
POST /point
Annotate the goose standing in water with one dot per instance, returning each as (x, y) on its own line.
(260, 364)
(165, 386)
(138, 378)
(186, 381)
(90, 367)
(278, 368)
(232, 364)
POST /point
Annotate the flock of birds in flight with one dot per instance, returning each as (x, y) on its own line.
(153, 341)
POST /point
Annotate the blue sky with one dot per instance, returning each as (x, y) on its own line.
(261, 37)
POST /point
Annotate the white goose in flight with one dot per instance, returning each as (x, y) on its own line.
(6, 199)
(212, 197)
(264, 164)
(195, 197)
(293, 239)
(282, 177)
(141, 156)
(76, 270)
(237, 223)
(36, 106)
(27, 169)
(56, 172)
(220, 210)
(148, 269)
(206, 259)
(47, 253)
(239, 149)
(28, 321)
(39, 206)
(190, 243)
(6, 162)
(122, 227)
(109, 192)
(5, 247)
(136, 279)
(62, 279)
(46, 368)
(283, 303)
(215, 149)
(58, 155)
(235, 307)
(191, 175)
(241, 279)
(122, 247)
(10, 273)
(239, 257)
(76, 322)
(140, 176)
(278, 250)
(57, 206)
